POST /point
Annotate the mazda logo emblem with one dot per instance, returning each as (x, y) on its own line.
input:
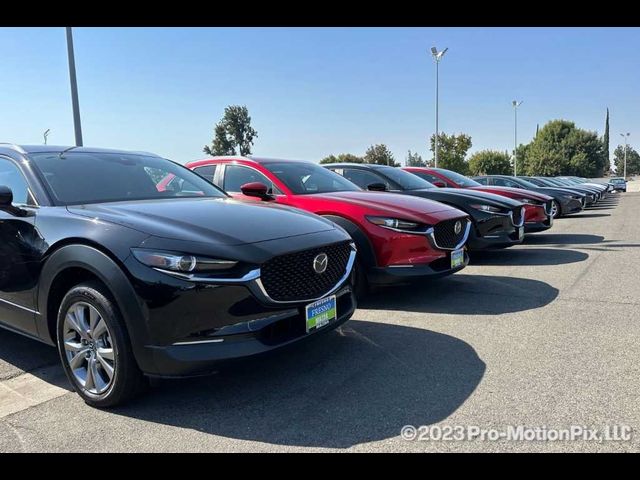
(458, 227)
(320, 263)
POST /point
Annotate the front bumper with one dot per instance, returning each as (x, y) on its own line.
(535, 227)
(242, 340)
(186, 326)
(571, 206)
(495, 231)
(393, 275)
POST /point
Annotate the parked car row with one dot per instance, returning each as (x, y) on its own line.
(135, 266)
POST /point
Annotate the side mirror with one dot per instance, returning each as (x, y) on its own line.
(377, 187)
(256, 189)
(6, 196)
(439, 184)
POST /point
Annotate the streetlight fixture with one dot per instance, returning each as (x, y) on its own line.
(515, 104)
(437, 56)
(46, 134)
(626, 137)
(74, 89)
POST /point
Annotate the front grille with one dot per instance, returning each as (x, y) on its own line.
(445, 232)
(291, 277)
(517, 216)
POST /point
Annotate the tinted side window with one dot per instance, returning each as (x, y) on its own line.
(364, 178)
(503, 182)
(428, 177)
(11, 176)
(235, 176)
(482, 181)
(206, 171)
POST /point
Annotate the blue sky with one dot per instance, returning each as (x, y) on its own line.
(312, 92)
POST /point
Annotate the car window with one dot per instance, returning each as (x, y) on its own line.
(482, 181)
(76, 178)
(504, 182)
(307, 178)
(11, 176)
(363, 178)
(237, 175)
(206, 171)
(427, 176)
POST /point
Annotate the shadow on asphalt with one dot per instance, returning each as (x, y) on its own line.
(527, 257)
(562, 239)
(592, 215)
(19, 354)
(358, 384)
(462, 294)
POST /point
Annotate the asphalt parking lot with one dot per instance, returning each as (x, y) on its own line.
(543, 334)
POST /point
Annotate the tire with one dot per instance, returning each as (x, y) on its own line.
(103, 348)
(558, 209)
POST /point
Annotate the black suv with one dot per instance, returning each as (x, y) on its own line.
(130, 278)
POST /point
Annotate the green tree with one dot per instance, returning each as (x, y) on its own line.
(633, 160)
(562, 149)
(342, 158)
(221, 144)
(605, 141)
(381, 155)
(233, 134)
(490, 162)
(414, 160)
(452, 151)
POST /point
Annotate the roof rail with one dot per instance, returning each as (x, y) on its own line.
(13, 146)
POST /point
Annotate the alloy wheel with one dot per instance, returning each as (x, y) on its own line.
(89, 351)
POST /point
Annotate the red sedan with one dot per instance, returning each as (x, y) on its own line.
(537, 205)
(399, 237)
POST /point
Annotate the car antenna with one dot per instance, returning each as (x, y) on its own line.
(65, 151)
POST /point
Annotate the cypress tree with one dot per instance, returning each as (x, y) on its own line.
(605, 140)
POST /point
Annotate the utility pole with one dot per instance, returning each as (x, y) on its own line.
(626, 137)
(74, 89)
(515, 104)
(46, 134)
(437, 57)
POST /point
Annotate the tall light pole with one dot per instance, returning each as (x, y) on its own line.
(74, 89)
(626, 137)
(46, 134)
(437, 57)
(515, 104)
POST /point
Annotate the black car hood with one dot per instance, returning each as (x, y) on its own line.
(210, 220)
(459, 196)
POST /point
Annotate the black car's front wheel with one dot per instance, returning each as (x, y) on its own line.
(555, 209)
(95, 348)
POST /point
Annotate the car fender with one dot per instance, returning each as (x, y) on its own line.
(366, 253)
(109, 272)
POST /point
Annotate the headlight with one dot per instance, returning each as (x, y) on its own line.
(178, 262)
(528, 201)
(487, 208)
(397, 224)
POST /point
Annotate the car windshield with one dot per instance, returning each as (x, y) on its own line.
(76, 178)
(306, 178)
(458, 178)
(617, 180)
(538, 181)
(406, 180)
